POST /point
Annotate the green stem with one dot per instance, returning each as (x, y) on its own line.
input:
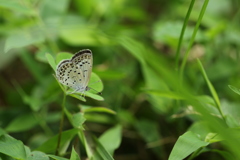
(183, 31)
(61, 125)
(192, 38)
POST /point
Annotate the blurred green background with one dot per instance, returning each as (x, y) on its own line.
(148, 102)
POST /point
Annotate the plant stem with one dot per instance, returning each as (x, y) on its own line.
(192, 38)
(183, 31)
(61, 125)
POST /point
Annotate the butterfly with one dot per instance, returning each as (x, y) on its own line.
(76, 72)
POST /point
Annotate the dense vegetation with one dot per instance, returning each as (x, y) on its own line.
(168, 72)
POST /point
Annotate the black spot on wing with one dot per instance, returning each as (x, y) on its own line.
(62, 63)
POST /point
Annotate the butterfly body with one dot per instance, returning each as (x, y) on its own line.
(76, 72)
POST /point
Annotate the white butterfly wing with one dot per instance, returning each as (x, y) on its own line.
(83, 60)
(76, 73)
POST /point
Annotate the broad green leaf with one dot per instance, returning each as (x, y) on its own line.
(185, 145)
(212, 138)
(37, 155)
(12, 147)
(200, 128)
(90, 36)
(95, 84)
(234, 89)
(51, 61)
(74, 155)
(57, 157)
(63, 56)
(22, 123)
(51, 145)
(111, 138)
(17, 6)
(24, 38)
(104, 154)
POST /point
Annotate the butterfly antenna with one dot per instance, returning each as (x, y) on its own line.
(99, 93)
(95, 82)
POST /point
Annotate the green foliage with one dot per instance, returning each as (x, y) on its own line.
(168, 72)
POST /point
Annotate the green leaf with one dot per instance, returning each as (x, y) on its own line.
(111, 139)
(224, 154)
(74, 155)
(167, 94)
(95, 84)
(12, 147)
(185, 145)
(102, 151)
(57, 157)
(144, 126)
(77, 96)
(87, 147)
(51, 61)
(99, 109)
(17, 6)
(36, 155)
(63, 56)
(234, 89)
(24, 38)
(210, 86)
(78, 119)
(90, 36)
(22, 123)
(51, 145)
(94, 96)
